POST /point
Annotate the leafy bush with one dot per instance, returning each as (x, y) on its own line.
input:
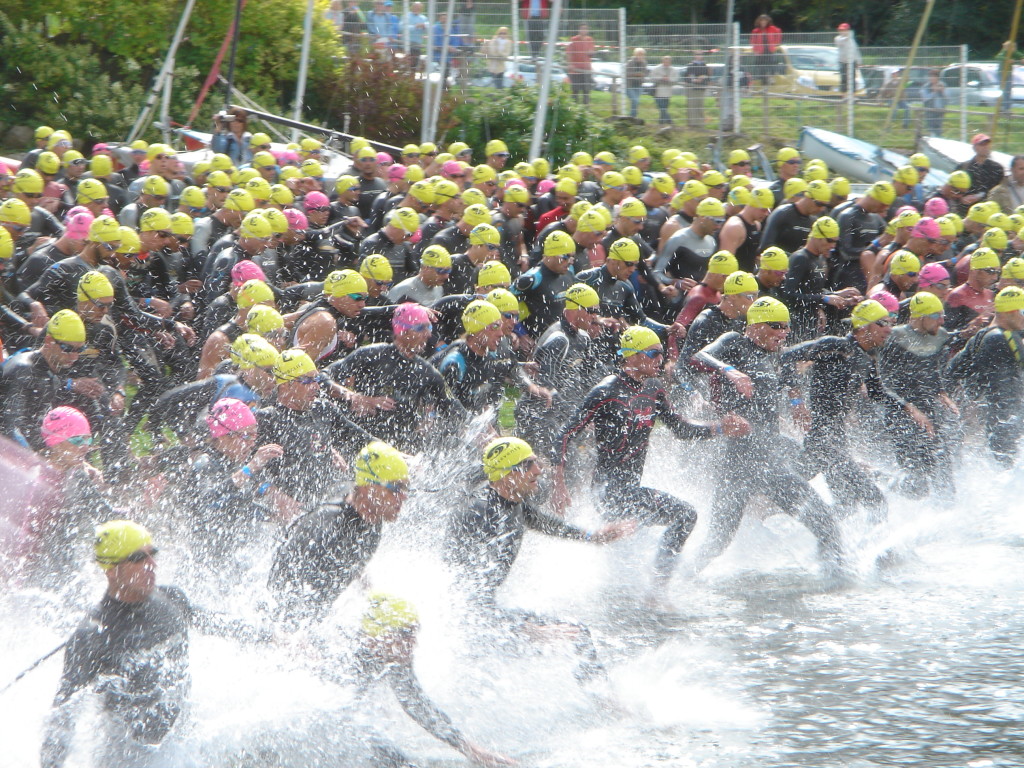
(508, 114)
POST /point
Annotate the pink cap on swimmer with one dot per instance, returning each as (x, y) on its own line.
(407, 316)
(545, 186)
(396, 172)
(936, 207)
(927, 228)
(383, 158)
(229, 415)
(931, 274)
(296, 219)
(316, 200)
(63, 423)
(101, 149)
(246, 270)
(451, 168)
(887, 300)
(76, 225)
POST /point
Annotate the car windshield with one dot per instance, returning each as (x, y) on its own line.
(820, 59)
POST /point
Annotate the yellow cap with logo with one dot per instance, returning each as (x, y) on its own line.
(117, 540)
(722, 263)
(904, 263)
(479, 315)
(867, 312)
(253, 292)
(387, 613)
(493, 273)
(625, 250)
(376, 267)
(559, 243)
(774, 259)
(293, 364)
(504, 300)
(581, 296)
(105, 229)
(27, 182)
(924, 303)
(711, 206)
(1010, 299)
(985, 258)
(436, 256)
(255, 225)
(484, 234)
(263, 319)
(825, 228)
(94, 285)
(474, 215)
(636, 339)
(66, 325)
(767, 310)
(631, 208)
(740, 282)
(503, 455)
(342, 282)
(251, 350)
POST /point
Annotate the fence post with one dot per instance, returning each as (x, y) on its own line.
(963, 93)
(515, 39)
(736, 77)
(620, 105)
(427, 111)
(851, 91)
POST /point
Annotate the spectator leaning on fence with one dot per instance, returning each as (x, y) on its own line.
(636, 71)
(849, 56)
(765, 39)
(665, 77)
(577, 57)
(933, 98)
(496, 51)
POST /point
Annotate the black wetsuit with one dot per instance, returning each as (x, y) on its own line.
(623, 412)
(138, 655)
(787, 228)
(326, 550)
(857, 230)
(478, 381)
(803, 292)
(542, 290)
(399, 255)
(451, 238)
(28, 389)
(180, 408)
(760, 463)
(841, 367)
(463, 276)
(380, 370)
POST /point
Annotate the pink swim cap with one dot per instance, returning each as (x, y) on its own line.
(451, 167)
(887, 300)
(246, 270)
(396, 171)
(77, 225)
(296, 219)
(383, 158)
(100, 149)
(936, 207)
(927, 228)
(287, 157)
(316, 200)
(229, 415)
(407, 316)
(931, 274)
(545, 186)
(62, 423)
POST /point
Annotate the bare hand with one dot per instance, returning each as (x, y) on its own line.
(117, 404)
(741, 381)
(734, 426)
(264, 455)
(339, 460)
(186, 333)
(364, 405)
(801, 416)
(561, 500)
(159, 307)
(91, 388)
(480, 756)
(620, 529)
(678, 330)
(190, 286)
(347, 338)
(542, 393)
(948, 403)
(920, 419)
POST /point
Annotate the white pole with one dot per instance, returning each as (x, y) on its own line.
(300, 88)
(147, 110)
(963, 93)
(851, 89)
(545, 84)
(620, 93)
(406, 43)
(431, 18)
(515, 40)
(442, 71)
(736, 76)
(165, 104)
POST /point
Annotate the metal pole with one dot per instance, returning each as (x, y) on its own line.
(851, 89)
(736, 77)
(300, 88)
(431, 18)
(929, 4)
(234, 52)
(165, 104)
(1009, 47)
(963, 93)
(620, 93)
(723, 102)
(406, 42)
(515, 39)
(168, 66)
(545, 84)
(442, 70)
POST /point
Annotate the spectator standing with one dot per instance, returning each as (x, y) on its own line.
(231, 137)
(382, 25)
(353, 28)
(1009, 193)
(933, 98)
(497, 51)
(765, 39)
(534, 14)
(336, 15)
(415, 24)
(665, 77)
(577, 57)
(849, 56)
(985, 172)
(696, 78)
(636, 71)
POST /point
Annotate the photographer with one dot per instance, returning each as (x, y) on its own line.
(231, 136)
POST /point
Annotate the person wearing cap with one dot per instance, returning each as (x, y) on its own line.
(739, 291)
(418, 196)
(911, 365)
(985, 172)
(217, 345)
(329, 547)
(231, 137)
(484, 244)
(741, 234)
(708, 291)
(483, 541)
(32, 382)
(683, 258)
(860, 222)
(788, 165)
(404, 399)
(392, 242)
(972, 301)
(656, 198)
(841, 369)
(370, 183)
(448, 311)
(455, 237)
(988, 371)
(541, 287)
(901, 282)
(684, 209)
(849, 58)
(254, 236)
(28, 187)
(69, 244)
(324, 329)
(549, 207)
(752, 375)
(154, 192)
(427, 285)
(789, 225)
(508, 219)
(805, 290)
(132, 650)
(623, 409)
(447, 207)
(1009, 192)
(954, 192)
(472, 370)
(496, 154)
(619, 299)
(42, 136)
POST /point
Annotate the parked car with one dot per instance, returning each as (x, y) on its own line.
(981, 80)
(802, 69)
(881, 80)
(527, 74)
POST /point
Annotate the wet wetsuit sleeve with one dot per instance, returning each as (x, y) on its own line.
(348, 436)
(682, 428)
(710, 355)
(791, 292)
(549, 358)
(586, 413)
(552, 526)
(420, 708)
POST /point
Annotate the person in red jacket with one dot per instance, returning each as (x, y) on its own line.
(764, 41)
(534, 14)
